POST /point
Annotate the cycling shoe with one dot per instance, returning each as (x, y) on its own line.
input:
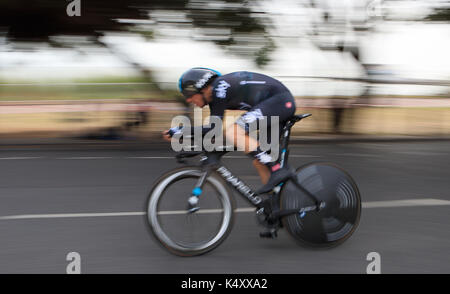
(271, 234)
(275, 178)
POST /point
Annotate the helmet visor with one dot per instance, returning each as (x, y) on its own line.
(189, 91)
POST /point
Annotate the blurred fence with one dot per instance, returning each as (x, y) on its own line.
(146, 116)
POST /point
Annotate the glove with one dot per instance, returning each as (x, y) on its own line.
(174, 131)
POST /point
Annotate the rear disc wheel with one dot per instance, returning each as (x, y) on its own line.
(334, 223)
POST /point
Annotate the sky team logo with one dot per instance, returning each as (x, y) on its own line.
(203, 80)
(221, 89)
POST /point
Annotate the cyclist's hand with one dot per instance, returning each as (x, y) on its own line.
(166, 136)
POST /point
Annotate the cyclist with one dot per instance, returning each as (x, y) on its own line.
(263, 97)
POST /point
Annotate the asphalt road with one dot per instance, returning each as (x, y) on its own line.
(53, 202)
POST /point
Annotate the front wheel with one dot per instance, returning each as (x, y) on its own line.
(331, 225)
(186, 233)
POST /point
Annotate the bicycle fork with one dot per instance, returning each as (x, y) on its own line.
(196, 192)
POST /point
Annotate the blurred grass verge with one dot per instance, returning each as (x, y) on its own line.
(131, 107)
(83, 89)
(374, 121)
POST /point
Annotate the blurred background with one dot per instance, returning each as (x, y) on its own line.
(87, 86)
(100, 69)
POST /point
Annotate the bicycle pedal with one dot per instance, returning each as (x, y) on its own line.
(193, 209)
(272, 234)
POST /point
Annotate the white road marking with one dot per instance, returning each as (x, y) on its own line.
(150, 157)
(69, 215)
(245, 209)
(372, 204)
(84, 158)
(421, 153)
(357, 154)
(405, 203)
(18, 158)
(131, 213)
(201, 211)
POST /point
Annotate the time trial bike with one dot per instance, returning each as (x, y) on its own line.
(191, 210)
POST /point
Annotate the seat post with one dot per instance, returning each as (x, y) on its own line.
(284, 143)
(285, 136)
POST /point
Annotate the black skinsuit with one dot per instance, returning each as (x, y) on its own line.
(261, 95)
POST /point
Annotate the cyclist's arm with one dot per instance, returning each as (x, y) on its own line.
(203, 130)
(217, 110)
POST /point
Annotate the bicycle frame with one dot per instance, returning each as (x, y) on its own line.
(212, 162)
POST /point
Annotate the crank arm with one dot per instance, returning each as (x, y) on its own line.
(301, 211)
(192, 210)
(299, 186)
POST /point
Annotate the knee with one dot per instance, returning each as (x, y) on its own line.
(256, 163)
(234, 132)
(230, 133)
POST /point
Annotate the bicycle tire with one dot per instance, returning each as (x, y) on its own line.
(337, 221)
(154, 223)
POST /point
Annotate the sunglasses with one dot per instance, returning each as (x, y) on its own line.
(190, 91)
(189, 94)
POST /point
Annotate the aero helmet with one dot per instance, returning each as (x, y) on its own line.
(196, 79)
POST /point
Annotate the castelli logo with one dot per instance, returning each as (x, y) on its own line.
(288, 104)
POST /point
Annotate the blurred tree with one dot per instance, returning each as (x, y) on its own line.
(39, 21)
(440, 14)
(47, 21)
(44, 20)
(235, 25)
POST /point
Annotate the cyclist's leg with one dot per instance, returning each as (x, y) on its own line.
(263, 171)
(280, 105)
(243, 141)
